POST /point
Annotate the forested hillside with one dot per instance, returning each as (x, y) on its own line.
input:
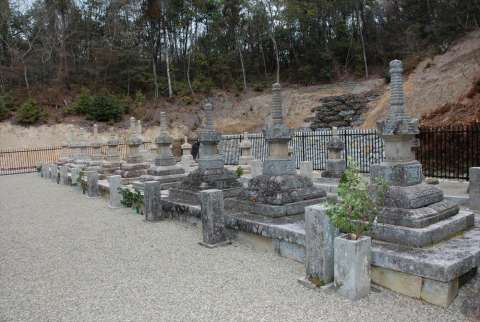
(68, 57)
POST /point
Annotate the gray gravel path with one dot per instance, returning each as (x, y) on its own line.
(64, 257)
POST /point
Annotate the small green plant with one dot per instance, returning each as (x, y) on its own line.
(30, 113)
(102, 108)
(5, 106)
(239, 171)
(82, 182)
(358, 205)
(132, 199)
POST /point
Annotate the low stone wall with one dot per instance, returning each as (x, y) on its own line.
(341, 111)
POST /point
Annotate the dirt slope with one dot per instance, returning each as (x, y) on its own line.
(436, 81)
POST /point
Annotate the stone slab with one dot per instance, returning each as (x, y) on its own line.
(398, 174)
(421, 217)
(406, 284)
(439, 293)
(421, 237)
(193, 197)
(274, 211)
(279, 167)
(442, 262)
(412, 197)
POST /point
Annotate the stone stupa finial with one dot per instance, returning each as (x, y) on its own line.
(397, 122)
(139, 127)
(209, 115)
(277, 112)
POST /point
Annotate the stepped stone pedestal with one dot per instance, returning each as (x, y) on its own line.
(415, 215)
(279, 191)
(112, 164)
(165, 170)
(211, 173)
(135, 165)
(474, 189)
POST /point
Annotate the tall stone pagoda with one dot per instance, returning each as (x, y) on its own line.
(279, 191)
(135, 165)
(165, 169)
(418, 232)
(211, 173)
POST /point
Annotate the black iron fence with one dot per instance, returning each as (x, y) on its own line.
(362, 146)
(449, 152)
(444, 153)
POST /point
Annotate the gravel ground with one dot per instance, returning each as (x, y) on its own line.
(64, 257)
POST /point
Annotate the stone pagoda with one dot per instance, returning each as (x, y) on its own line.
(245, 153)
(336, 165)
(418, 232)
(112, 163)
(80, 158)
(165, 169)
(135, 165)
(211, 173)
(187, 161)
(279, 191)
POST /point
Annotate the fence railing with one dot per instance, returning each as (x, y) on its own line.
(449, 152)
(362, 146)
(444, 153)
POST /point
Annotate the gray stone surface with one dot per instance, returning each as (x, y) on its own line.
(245, 150)
(45, 170)
(422, 237)
(92, 184)
(115, 198)
(75, 174)
(399, 174)
(64, 179)
(213, 222)
(256, 167)
(352, 267)
(77, 260)
(474, 189)
(152, 201)
(413, 197)
(319, 237)
(306, 169)
(54, 172)
(334, 168)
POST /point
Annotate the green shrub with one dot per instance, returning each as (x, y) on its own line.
(6, 106)
(358, 206)
(239, 171)
(83, 102)
(30, 113)
(105, 108)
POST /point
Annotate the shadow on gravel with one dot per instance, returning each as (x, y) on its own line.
(471, 304)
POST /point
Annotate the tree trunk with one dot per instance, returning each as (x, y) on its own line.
(276, 57)
(242, 65)
(264, 61)
(25, 76)
(155, 80)
(167, 60)
(360, 27)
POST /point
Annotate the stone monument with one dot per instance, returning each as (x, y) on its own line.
(165, 170)
(279, 191)
(135, 165)
(336, 165)
(187, 161)
(245, 150)
(211, 173)
(112, 163)
(416, 225)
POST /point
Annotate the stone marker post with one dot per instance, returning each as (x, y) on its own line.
(54, 172)
(245, 150)
(92, 184)
(187, 158)
(319, 246)
(474, 190)
(152, 200)
(45, 170)
(75, 174)
(64, 175)
(306, 169)
(213, 223)
(256, 167)
(114, 183)
(336, 165)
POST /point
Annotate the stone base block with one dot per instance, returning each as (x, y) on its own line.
(398, 174)
(192, 196)
(431, 291)
(160, 171)
(412, 197)
(274, 211)
(279, 167)
(289, 250)
(334, 168)
(421, 217)
(211, 246)
(421, 237)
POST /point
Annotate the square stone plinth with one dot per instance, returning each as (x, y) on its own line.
(398, 174)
